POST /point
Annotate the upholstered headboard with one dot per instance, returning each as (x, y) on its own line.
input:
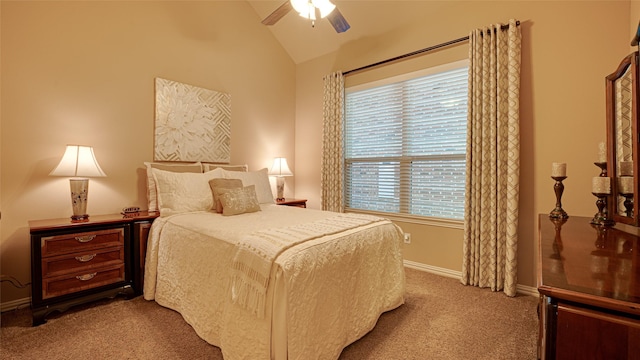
(194, 167)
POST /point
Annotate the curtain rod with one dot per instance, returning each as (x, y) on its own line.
(417, 52)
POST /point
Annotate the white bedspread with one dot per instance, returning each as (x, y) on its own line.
(323, 293)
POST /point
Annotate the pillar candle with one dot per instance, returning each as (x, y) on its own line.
(558, 169)
(601, 185)
(602, 153)
(626, 168)
(626, 184)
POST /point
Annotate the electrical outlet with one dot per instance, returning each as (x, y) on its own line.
(407, 238)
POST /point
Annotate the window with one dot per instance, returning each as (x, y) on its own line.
(405, 143)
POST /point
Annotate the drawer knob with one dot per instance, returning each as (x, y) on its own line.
(85, 258)
(86, 277)
(84, 239)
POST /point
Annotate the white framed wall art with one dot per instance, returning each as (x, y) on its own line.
(192, 123)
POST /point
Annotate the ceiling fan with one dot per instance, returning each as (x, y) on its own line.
(307, 9)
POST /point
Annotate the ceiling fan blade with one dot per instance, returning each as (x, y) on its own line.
(281, 11)
(338, 21)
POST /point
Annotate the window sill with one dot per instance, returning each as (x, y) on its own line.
(421, 220)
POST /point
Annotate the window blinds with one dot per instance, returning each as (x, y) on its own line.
(405, 146)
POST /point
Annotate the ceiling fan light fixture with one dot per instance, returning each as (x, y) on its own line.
(301, 7)
(311, 12)
(325, 7)
(307, 8)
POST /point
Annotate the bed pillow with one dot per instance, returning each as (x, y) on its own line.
(216, 184)
(239, 200)
(208, 167)
(152, 191)
(184, 192)
(258, 178)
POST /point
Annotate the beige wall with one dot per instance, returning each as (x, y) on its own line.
(634, 20)
(83, 72)
(567, 50)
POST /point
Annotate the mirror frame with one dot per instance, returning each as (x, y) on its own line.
(630, 61)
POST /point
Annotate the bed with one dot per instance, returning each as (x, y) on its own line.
(271, 282)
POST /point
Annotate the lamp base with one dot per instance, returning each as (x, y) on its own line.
(79, 192)
(280, 188)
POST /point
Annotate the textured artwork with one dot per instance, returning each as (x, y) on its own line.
(192, 123)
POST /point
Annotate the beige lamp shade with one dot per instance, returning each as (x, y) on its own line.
(78, 161)
(280, 167)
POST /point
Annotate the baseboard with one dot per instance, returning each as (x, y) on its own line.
(433, 269)
(15, 304)
(527, 290)
(521, 289)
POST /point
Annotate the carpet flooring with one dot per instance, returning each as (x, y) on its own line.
(441, 319)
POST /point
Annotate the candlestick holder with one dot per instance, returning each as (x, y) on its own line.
(628, 204)
(602, 216)
(558, 188)
(601, 239)
(603, 168)
(557, 244)
(602, 235)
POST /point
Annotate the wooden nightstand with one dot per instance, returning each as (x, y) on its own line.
(77, 262)
(293, 202)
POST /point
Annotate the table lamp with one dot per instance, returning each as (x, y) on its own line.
(78, 162)
(280, 169)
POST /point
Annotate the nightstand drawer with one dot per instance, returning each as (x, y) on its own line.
(82, 241)
(82, 261)
(79, 281)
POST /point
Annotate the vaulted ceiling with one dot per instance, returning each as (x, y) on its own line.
(366, 17)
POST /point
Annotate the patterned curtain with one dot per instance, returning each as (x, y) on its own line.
(332, 160)
(493, 159)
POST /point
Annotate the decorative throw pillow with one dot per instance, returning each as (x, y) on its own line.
(258, 178)
(152, 189)
(184, 192)
(239, 200)
(216, 184)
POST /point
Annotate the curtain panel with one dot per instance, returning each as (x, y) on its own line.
(331, 172)
(493, 159)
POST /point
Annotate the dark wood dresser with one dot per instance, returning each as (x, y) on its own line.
(589, 285)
